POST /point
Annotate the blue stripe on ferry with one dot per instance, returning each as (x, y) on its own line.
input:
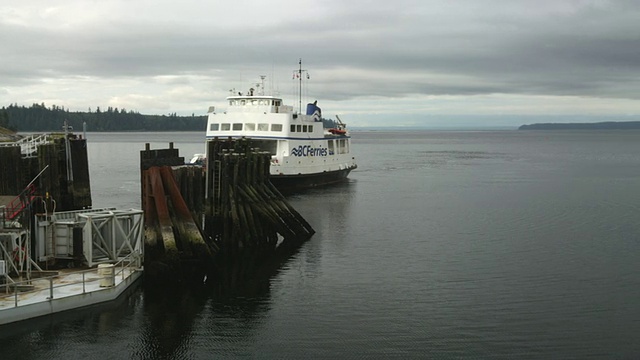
(274, 137)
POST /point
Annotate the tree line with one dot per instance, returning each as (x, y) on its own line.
(38, 117)
(4, 121)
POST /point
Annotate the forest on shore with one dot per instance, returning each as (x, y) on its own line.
(39, 118)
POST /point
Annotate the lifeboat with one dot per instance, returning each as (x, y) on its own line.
(335, 131)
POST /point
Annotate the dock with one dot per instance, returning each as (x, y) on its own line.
(104, 246)
(56, 252)
(66, 290)
(221, 223)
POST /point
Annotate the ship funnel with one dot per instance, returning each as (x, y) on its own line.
(314, 110)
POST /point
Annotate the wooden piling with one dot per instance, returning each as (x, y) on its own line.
(251, 220)
(11, 175)
(246, 220)
(188, 231)
(175, 247)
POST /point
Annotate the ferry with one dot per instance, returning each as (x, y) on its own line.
(306, 149)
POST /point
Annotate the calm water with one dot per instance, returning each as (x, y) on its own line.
(442, 244)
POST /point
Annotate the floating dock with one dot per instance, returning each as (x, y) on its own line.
(105, 246)
(22, 300)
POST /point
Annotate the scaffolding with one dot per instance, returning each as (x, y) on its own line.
(90, 236)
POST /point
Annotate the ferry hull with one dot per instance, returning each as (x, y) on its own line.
(292, 183)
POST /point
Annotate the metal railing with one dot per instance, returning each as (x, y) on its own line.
(123, 268)
(29, 144)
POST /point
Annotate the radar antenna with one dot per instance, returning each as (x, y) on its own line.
(261, 85)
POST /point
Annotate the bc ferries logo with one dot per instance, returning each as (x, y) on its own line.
(306, 150)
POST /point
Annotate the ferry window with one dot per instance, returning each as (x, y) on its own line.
(225, 127)
(342, 147)
(304, 128)
(214, 127)
(231, 102)
(298, 128)
(331, 151)
(276, 127)
(263, 127)
(250, 126)
(242, 102)
(293, 128)
(310, 128)
(237, 126)
(264, 145)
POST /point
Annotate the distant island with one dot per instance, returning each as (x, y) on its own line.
(608, 125)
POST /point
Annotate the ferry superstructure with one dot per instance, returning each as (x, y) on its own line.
(304, 153)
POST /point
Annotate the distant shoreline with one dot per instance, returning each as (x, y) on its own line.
(608, 125)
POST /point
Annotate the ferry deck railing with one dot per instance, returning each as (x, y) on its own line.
(123, 268)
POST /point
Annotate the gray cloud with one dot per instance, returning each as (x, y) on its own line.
(361, 48)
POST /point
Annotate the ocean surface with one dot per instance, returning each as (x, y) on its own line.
(442, 244)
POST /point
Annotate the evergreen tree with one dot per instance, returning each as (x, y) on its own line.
(39, 118)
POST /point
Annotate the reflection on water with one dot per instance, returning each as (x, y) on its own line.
(71, 334)
(441, 244)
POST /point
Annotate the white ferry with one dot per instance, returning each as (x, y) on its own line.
(304, 152)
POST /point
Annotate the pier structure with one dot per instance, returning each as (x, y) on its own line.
(241, 217)
(104, 246)
(55, 166)
(42, 175)
(90, 237)
(251, 220)
(47, 227)
(176, 247)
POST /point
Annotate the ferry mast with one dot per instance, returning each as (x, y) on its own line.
(298, 73)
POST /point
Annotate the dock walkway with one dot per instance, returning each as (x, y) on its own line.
(65, 291)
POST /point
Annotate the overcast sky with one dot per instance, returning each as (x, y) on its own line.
(404, 62)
